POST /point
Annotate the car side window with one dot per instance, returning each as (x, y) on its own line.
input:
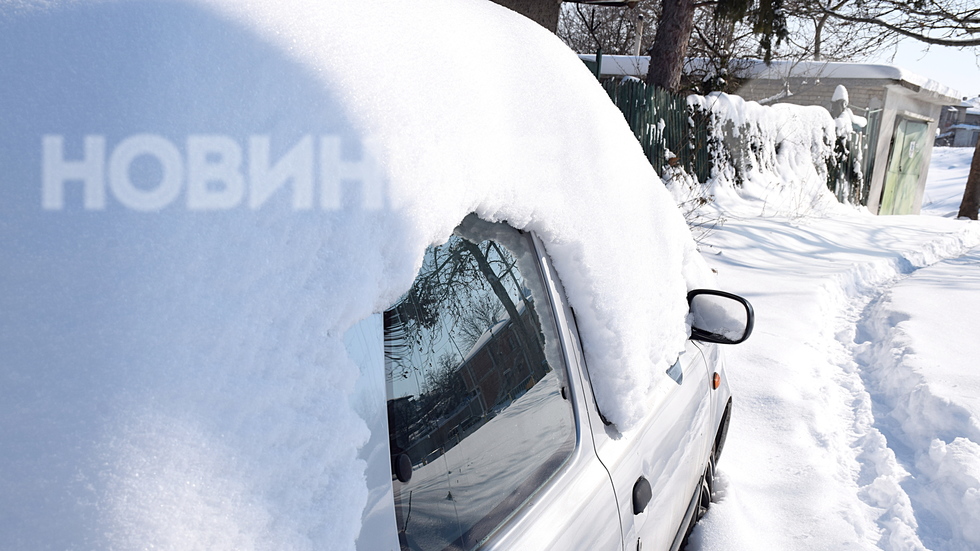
(478, 422)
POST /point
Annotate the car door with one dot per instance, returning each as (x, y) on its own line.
(668, 449)
(489, 438)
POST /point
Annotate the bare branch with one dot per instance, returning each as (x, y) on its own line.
(938, 22)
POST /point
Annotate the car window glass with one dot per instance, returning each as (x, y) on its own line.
(477, 418)
(363, 343)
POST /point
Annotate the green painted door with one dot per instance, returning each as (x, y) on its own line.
(906, 161)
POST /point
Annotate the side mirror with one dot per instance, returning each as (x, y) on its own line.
(717, 316)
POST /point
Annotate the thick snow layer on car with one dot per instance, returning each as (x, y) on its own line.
(183, 248)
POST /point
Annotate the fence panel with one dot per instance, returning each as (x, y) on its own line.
(668, 130)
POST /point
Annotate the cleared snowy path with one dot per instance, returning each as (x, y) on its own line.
(917, 351)
(807, 465)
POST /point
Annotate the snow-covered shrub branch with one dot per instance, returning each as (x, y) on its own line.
(785, 159)
(778, 160)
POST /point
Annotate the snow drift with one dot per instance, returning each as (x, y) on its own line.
(185, 244)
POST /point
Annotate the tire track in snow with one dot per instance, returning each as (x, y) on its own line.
(864, 342)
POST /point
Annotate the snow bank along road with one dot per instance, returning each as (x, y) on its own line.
(856, 422)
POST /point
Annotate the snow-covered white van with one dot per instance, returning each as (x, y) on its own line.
(273, 275)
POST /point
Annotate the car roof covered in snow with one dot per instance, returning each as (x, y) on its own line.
(199, 198)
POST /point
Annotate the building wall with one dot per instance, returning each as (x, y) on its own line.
(966, 137)
(863, 93)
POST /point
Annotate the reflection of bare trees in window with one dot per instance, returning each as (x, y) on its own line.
(529, 340)
(460, 294)
(461, 345)
(485, 313)
(444, 389)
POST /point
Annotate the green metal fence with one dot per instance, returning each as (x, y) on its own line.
(670, 132)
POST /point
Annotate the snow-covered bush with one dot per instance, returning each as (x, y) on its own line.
(782, 157)
(775, 159)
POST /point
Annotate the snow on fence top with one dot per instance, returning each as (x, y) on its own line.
(770, 160)
(183, 249)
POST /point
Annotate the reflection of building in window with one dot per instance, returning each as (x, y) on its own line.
(496, 371)
(468, 337)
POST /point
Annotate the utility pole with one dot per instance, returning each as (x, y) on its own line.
(639, 34)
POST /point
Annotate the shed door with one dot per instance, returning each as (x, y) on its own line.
(905, 164)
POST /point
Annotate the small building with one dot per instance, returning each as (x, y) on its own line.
(959, 125)
(903, 111)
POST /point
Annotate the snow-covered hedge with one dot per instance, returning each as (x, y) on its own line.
(782, 158)
(775, 159)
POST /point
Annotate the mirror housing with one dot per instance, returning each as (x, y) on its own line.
(719, 317)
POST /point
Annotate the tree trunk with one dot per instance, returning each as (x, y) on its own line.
(818, 36)
(670, 44)
(971, 195)
(526, 335)
(543, 12)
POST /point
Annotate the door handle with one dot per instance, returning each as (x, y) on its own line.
(642, 493)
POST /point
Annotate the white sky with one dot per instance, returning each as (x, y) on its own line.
(954, 67)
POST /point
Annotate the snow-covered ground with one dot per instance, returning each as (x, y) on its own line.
(172, 378)
(857, 421)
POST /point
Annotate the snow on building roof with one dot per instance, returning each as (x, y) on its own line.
(622, 65)
(492, 331)
(843, 70)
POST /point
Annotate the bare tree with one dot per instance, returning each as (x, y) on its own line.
(484, 312)
(719, 54)
(458, 281)
(815, 34)
(587, 28)
(937, 22)
(670, 44)
(723, 31)
(766, 19)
